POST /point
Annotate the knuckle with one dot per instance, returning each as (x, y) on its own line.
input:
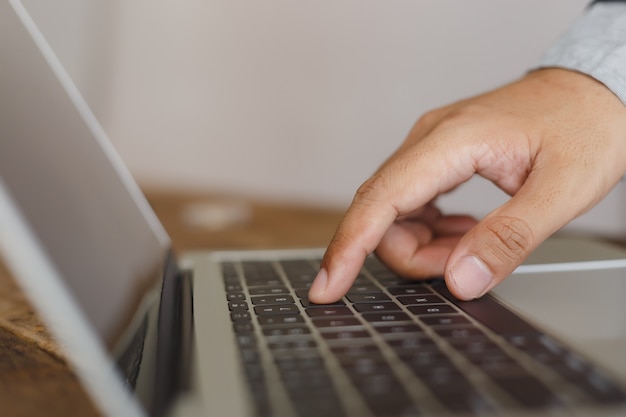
(458, 116)
(511, 239)
(340, 241)
(370, 190)
(429, 119)
(436, 118)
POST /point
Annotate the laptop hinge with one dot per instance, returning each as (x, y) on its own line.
(174, 340)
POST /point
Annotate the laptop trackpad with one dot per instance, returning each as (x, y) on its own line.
(585, 309)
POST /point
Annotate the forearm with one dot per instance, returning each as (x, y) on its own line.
(595, 45)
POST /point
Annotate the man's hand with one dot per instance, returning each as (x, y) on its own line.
(554, 140)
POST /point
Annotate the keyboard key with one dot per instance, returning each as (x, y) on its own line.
(229, 273)
(420, 299)
(276, 309)
(476, 348)
(276, 320)
(235, 296)
(526, 341)
(411, 342)
(444, 376)
(254, 371)
(335, 321)
(365, 367)
(246, 339)
(271, 299)
(354, 350)
(293, 344)
(365, 289)
(410, 290)
(269, 290)
(329, 311)
(299, 271)
(461, 333)
(423, 358)
(233, 287)
(384, 306)
(298, 364)
(287, 331)
(306, 303)
(294, 354)
(444, 320)
(431, 309)
(391, 280)
(302, 291)
(345, 335)
(399, 329)
(376, 384)
(240, 316)
(249, 355)
(245, 327)
(237, 306)
(368, 298)
(265, 282)
(390, 316)
(310, 378)
(498, 365)
(257, 269)
(361, 359)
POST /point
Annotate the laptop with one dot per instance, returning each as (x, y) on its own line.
(153, 333)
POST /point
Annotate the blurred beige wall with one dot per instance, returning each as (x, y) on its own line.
(293, 100)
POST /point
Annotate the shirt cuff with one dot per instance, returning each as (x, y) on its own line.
(595, 45)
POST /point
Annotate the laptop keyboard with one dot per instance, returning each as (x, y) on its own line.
(394, 347)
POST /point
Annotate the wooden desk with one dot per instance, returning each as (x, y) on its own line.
(34, 377)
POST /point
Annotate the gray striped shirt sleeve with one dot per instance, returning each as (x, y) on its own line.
(595, 45)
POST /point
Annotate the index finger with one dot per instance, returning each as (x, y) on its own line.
(359, 233)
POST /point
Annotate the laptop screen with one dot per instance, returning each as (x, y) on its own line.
(81, 206)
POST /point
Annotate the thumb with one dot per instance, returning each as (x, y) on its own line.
(499, 243)
(488, 254)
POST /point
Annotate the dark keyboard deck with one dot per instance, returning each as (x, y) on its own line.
(397, 348)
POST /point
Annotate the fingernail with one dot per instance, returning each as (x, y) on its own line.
(318, 288)
(471, 277)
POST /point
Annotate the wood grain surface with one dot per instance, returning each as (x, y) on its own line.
(35, 379)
